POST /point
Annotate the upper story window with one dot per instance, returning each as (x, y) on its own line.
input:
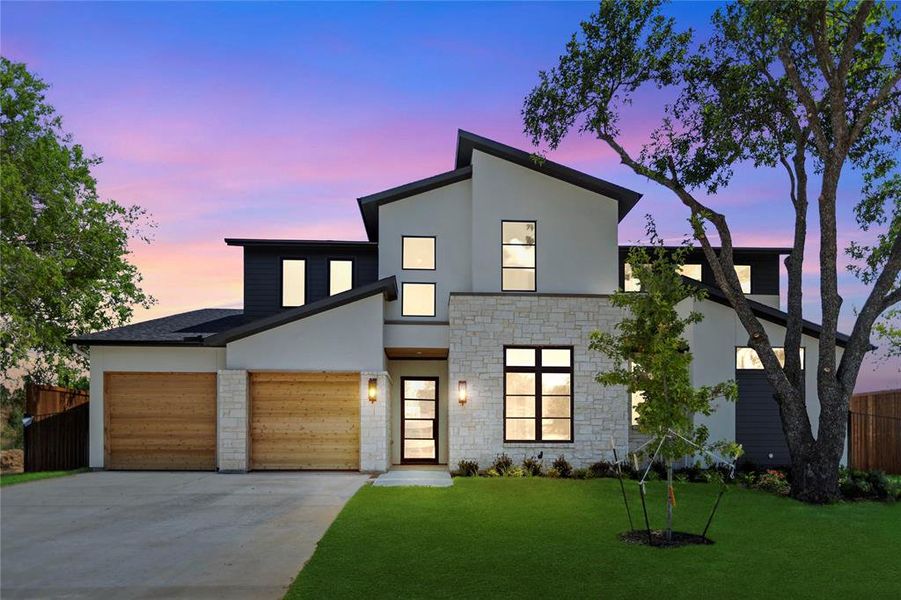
(294, 288)
(417, 299)
(518, 242)
(418, 253)
(538, 397)
(691, 271)
(747, 358)
(744, 277)
(340, 276)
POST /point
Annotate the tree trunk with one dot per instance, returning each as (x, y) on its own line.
(669, 501)
(815, 468)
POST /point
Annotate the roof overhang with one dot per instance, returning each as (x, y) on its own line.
(369, 205)
(386, 287)
(254, 242)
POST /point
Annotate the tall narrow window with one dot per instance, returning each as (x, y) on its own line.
(744, 277)
(518, 256)
(538, 398)
(418, 253)
(630, 281)
(418, 299)
(293, 282)
(340, 276)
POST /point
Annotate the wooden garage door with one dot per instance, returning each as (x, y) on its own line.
(305, 420)
(160, 420)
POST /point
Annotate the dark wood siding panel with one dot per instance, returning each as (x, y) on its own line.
(263, 275)
(758, 426)
(764, 269)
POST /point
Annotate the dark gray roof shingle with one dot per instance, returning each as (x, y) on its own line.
(188, 328)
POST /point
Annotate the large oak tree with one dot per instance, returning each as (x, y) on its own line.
(64, 267)
(811, 88)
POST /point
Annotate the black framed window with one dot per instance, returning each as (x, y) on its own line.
(417, 299)
(340, 275)
(538, 396)
(294, 286)
(418, 253)
(518, 246)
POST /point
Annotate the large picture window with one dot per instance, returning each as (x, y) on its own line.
(538, 397)
(518, 245)
(294, 289)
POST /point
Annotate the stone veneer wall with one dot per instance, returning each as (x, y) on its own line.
(232, 427)
(375, 423)
(480, 326)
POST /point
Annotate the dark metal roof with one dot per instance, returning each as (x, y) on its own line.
(624, 249)
(768, 313)
(357, 244)
(183, 329)
(369, 205)
(387, 286)
(466, 143)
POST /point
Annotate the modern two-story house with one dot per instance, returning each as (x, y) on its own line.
(458, 330)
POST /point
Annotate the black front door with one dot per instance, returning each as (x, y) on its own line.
(419, 419)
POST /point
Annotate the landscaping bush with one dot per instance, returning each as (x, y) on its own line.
(868, 485)
(580, 473)
(774, 482)
(468, 468)
(563, 468)
(502, 463)
(602, 468)
(532, 466)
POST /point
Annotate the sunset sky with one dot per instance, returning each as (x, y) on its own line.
(269, 120)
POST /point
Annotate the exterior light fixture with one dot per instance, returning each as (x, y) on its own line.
(373, 390)
(462, 396)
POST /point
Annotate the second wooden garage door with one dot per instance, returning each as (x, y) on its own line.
(160, 420)
(305, 420)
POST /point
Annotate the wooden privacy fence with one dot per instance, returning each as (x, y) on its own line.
(57, 438)
(874, 430)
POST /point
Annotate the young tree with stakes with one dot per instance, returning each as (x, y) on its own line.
(651, 356)
(811, 88)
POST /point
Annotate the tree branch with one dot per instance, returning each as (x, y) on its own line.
(854, 33)
(813, 113)
(870, 107)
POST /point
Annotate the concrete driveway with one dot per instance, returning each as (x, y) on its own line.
(164, 535)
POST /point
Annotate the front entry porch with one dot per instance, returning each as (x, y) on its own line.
(419, 414)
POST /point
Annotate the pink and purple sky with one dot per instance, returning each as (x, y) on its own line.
(269, 120)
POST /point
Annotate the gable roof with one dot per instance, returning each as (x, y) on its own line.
(466, 143)
(183, 329)
(386, 286)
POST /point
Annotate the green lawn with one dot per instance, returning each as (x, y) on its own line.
(14, 478)
(543, 538)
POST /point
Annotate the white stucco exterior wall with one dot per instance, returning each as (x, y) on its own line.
(576, 229)
(713, 342)
(347, 338)
(140, 358)
(445, 213)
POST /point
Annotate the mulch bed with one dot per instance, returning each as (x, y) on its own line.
(658, 538)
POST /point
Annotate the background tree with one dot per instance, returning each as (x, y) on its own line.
(651, 356)
(807, 87)
(64, 266)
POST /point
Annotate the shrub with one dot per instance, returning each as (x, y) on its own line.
(563, 468)
(774, 482)
(873, 485)
(532, 466)
(552, 473)
(502, 463)
(580, 473)
(468, 468)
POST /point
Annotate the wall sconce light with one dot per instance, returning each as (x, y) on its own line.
(462, 396)
(373, 390)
